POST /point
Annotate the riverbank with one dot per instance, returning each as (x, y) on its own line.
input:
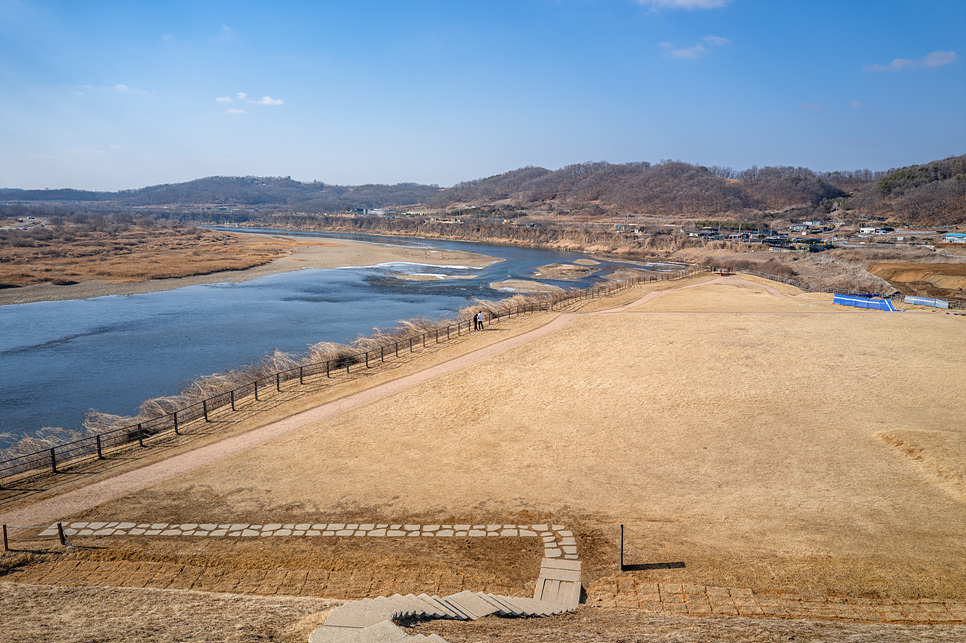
(302, 254)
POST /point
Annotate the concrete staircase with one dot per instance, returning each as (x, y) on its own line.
(371, 619)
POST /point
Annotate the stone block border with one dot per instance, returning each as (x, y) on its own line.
(558, 542)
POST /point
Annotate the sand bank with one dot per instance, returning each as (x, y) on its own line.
(341, 253)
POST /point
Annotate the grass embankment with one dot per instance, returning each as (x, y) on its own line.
(730, 429)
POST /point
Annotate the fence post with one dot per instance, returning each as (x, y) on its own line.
(278, 382)
(100, 454)
(447, 333)
(382, 353)
(301, 379)
(256, 390)
(140, 435)
(6, 546)
(367, 359)
(60, 534)
(204, 409)
(437, 335)
(397, 349)
(327, 362)
(53, 461)
(175, 424)
(233, 399)
(424, 340)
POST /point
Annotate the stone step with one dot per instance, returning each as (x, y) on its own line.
(460, 612)
(504, 608)
(358, 615)
(445, 611)
(472, 604)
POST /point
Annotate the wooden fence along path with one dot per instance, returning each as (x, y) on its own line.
(57, 458)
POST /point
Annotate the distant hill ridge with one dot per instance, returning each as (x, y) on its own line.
(929, 193)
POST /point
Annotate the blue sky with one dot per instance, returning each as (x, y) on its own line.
(116, 95)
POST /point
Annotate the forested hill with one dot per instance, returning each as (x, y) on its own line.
(932, 193)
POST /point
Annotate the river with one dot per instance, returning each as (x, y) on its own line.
(58, 359)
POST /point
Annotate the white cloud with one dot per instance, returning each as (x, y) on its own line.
(234, 110)
(684, 4)
(688, 52)
(717, 41)
(242, 97)
(694, 51)
(124, 89)
(934, 59)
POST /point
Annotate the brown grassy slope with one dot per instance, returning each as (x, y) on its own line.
(925, 279)
(744, 443)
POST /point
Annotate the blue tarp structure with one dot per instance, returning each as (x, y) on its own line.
(864, 301)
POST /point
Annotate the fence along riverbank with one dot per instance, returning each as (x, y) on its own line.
(58, 458)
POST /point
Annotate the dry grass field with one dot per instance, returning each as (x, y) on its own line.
(765, 441)
(748, 434)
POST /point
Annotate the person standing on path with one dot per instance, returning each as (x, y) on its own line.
(479, 320)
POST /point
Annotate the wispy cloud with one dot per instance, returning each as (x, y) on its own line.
(242, 97)
(854, 104)
(234, 110)
(124, 89)
(688, 5)
(934, 59)
(694, 51)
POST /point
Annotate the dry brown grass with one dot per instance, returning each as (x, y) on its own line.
(925, 279)
(136, 255)
(743, 443)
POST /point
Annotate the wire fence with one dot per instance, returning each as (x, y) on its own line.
(58, 458)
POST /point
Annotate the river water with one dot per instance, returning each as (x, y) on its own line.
(59, 359)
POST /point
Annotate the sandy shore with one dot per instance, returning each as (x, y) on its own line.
(341, 253)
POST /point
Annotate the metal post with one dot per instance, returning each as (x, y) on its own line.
(175, 423)
(232, 400)
(424, 340)
(327, 362)
(411, 344)
(437, 335)
(397, 349)
(256, 390)
(6, 545)
(140, 435)
(382, 353)
(278, 382)
(301, 378)
(53, 461)
(622, 548)
(100, 454)
(204, 409)
(60, 534)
